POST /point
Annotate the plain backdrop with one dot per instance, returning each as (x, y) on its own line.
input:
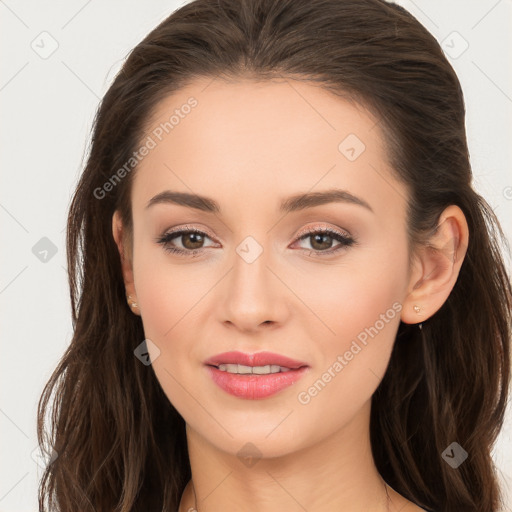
(57, 61)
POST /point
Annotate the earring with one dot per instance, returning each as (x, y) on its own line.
(131, 302)
(418, 310)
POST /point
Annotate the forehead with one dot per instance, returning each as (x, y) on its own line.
(236, 110)
(260, 139)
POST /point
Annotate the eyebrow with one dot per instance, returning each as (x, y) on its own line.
(293, 203)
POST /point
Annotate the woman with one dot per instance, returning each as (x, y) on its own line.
(286, 293)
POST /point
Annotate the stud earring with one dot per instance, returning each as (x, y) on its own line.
(131, 302)
(418, 310)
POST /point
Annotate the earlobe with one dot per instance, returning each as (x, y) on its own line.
(437, 266)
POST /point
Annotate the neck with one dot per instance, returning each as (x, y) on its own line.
(337, 473)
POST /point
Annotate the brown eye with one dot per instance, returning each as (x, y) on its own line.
(192, 241)
(321, 241)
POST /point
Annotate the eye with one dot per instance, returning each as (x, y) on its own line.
(191, 243)
(321, 241)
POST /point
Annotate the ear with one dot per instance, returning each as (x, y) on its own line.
(436, 267)
(123, 245)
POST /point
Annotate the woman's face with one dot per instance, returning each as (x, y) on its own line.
(265, 276)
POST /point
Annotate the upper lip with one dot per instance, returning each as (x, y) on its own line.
(257, 359)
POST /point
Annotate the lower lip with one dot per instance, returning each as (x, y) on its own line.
(255, 387)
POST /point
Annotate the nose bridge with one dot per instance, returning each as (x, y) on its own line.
(250, 276)
(252, 290)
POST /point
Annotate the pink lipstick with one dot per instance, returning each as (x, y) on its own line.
(254, 376)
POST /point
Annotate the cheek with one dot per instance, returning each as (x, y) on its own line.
(352, 361)
(170, 298)
(369, 311)
(360, 312)
(358, 299)
(168, 293)
(166, 302)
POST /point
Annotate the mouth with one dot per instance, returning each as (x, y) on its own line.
(261, 362)
(241, 369)
(255, 376)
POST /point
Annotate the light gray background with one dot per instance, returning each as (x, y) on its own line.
(48, 106)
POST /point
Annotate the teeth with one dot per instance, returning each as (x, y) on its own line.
(258, 370)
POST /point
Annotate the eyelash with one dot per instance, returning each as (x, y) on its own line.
(345, 241)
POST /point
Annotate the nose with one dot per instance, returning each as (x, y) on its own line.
(253, 297)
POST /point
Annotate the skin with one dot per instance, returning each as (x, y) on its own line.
(248, 145)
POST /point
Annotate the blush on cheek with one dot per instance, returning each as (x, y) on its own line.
(366, 330)
(164, 296)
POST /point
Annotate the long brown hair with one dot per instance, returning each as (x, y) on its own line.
(121, 444)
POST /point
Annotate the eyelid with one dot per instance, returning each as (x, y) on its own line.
(187, 228)
(323, 227)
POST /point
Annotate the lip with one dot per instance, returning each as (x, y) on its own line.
(257, 359)
(253, 386)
